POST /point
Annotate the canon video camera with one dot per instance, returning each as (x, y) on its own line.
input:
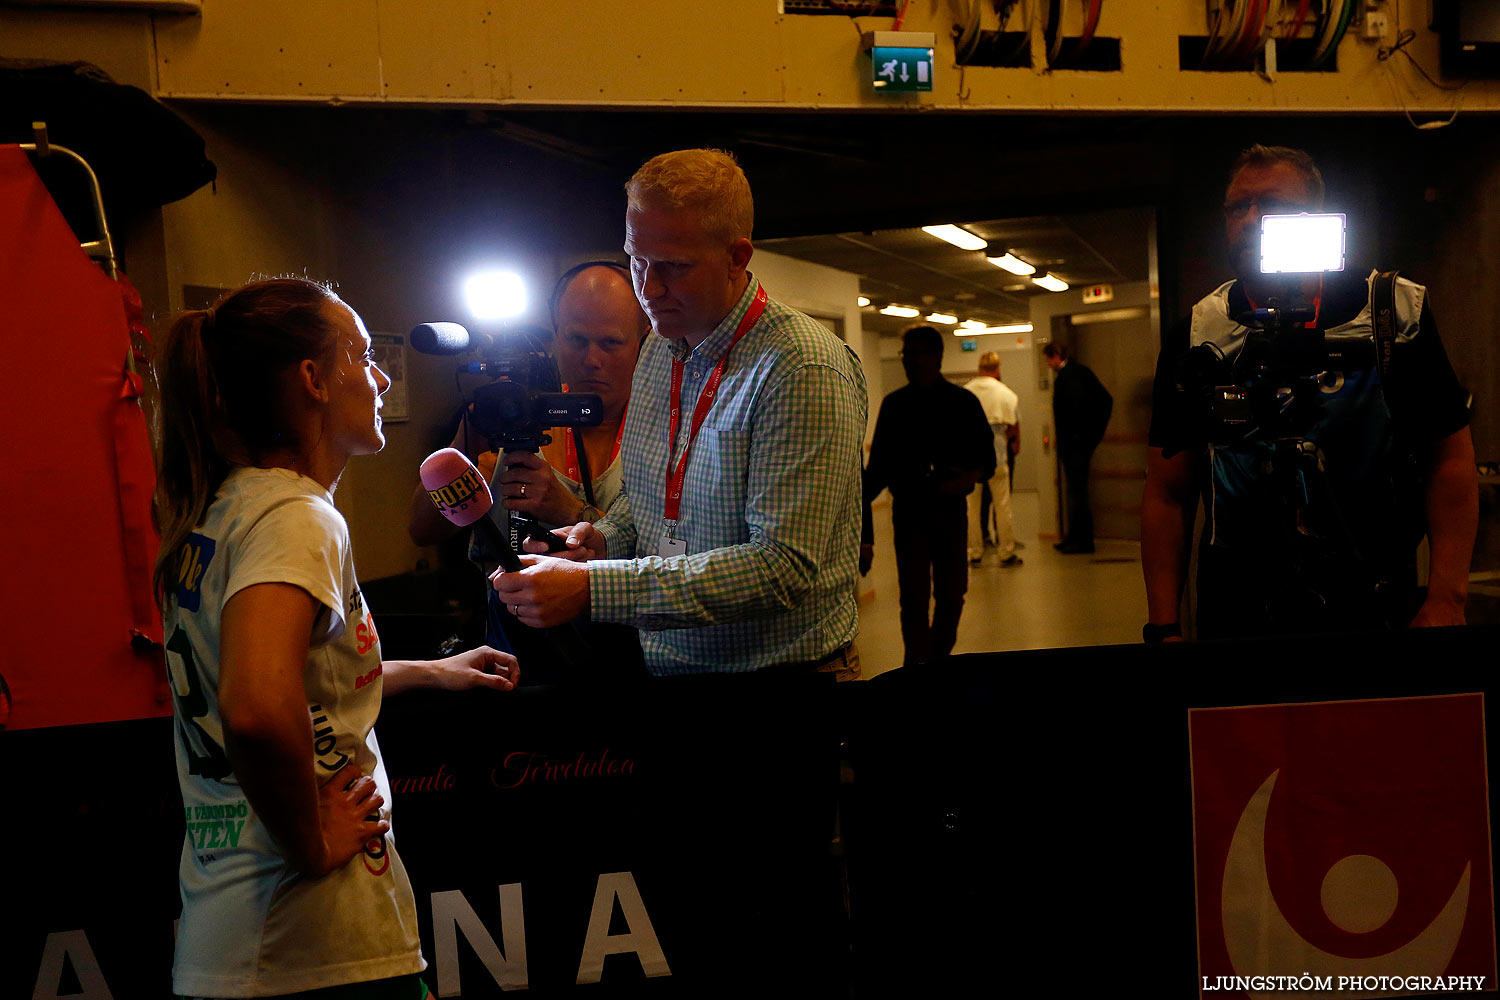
(523, 396)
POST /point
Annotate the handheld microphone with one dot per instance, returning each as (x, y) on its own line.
(447, 338)
(461, 495)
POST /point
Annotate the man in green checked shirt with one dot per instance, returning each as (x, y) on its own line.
(736, 543)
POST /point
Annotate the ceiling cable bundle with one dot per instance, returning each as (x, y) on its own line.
(966, 22)
(1240, 29)
(1304, 7)
(1234, 28)
(975, 46)
(1005, 9)
(1336, 17)
(1052, 34)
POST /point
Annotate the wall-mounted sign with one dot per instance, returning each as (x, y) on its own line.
(390, 355)
(1098, 293)
(900, 60)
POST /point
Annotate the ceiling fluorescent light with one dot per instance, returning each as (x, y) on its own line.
(1051, 283)
(863, 301)
(973, 324)
(905, 312)
(941, 318)
(1012, 263)
(961, 238)
(1012, 328)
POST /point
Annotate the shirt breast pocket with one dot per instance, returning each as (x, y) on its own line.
(723, 476)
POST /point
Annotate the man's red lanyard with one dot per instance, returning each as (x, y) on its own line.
(1317, 305)
(573, 470)
(676, 476)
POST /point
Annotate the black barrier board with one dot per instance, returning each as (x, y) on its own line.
(671, 838)
(1099, 858)
(90, 830)
(1057, 839)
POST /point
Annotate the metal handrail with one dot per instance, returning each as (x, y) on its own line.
(42, 148)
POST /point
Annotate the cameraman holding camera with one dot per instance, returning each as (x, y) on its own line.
(1315, 506)
(597, 331)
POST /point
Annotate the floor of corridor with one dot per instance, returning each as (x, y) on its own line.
(1049, 600)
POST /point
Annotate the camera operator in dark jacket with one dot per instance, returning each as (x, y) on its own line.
(1314, 508)
(597, 332)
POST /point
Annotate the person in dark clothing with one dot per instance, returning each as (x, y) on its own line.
(1291, 546)
(1080, 411)
(932, 444)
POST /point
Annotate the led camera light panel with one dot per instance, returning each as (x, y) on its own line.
(1301, 244)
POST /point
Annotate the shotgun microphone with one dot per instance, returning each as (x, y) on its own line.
(448, 338)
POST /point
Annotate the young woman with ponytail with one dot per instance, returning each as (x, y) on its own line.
(290, 880)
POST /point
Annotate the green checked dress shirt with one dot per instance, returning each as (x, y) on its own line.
(770, 504)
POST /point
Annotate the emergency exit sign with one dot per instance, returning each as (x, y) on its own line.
(900, 60)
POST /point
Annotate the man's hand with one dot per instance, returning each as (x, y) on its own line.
(584, 542)
(545, 591)
(866, 559)
(529, 486)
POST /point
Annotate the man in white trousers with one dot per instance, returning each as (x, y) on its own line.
(1001, 409)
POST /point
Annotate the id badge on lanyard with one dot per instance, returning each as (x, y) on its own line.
(670, 544)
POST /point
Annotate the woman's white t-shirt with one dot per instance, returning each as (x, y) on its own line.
(251, 926)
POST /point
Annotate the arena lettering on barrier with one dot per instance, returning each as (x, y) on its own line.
(523, 766)
(439, 781)
(452, 913)
(69, 949)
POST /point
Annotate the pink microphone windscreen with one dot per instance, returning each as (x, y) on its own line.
(456, 487)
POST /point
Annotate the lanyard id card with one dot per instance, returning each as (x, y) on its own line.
(669, 546)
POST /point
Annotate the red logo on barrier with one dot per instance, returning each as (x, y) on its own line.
(1342, 839)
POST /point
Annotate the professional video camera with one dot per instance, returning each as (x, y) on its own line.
(521, 399)
(1273, 387)
(1260, 407)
